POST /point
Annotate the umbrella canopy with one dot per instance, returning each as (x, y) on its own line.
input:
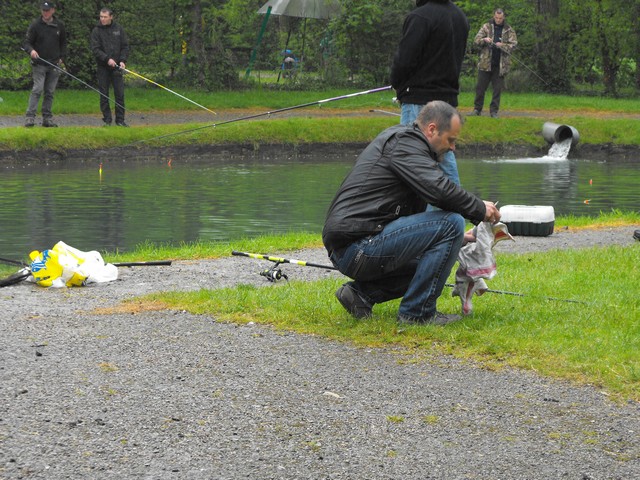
(302, 8)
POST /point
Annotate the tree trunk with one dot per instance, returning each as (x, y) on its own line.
(552, 61)
(196, 41)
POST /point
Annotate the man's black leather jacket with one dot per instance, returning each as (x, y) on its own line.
(396, 175)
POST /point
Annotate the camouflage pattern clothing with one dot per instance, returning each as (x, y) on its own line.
(509, 43)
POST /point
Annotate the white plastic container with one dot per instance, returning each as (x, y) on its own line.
(533, 221)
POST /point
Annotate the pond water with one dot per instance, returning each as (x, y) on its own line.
(126, 203)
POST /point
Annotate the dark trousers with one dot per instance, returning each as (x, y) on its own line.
(107, 77)
(497, 84)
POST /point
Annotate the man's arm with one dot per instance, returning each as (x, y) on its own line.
(406, 58)
(96, 46)
(481, 35)
(124, 46)
(509, 41)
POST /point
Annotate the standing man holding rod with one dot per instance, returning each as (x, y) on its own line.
(428, 61)
(110, 48)
(46, 44)
(496, 40)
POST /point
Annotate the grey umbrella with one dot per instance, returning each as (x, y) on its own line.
(302, 8)
(320, 9)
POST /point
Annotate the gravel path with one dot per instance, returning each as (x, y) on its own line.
(90, 393)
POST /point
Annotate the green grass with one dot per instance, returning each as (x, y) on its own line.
(85, 101)
(304, 130)
(594, 342)
(597, 119)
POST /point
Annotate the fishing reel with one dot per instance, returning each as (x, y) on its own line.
(274, 273)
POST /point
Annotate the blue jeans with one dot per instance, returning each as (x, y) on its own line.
(448, 165)
(45, 79)
(411, 258)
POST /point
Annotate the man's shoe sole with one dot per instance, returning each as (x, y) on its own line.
(356, 311)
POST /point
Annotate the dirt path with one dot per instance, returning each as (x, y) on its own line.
(92, 390)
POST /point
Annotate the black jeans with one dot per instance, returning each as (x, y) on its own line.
(108, 76)
(497, 84)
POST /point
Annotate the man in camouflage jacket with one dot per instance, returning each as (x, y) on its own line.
(496, 40)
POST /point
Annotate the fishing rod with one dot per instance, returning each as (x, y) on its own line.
(121, 264)
(81, 81)
(274, 274)
(504, 292)
(385, 112)
(126, 70)
(547, 84)
(25, 271)
(280, 110)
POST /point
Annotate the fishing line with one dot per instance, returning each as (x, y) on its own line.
(126, 70)
(547, 84)
(280, 110)
(81, 81)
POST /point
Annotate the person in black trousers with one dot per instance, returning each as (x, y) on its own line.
(110, 47)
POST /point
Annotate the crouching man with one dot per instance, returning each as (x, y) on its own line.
(378, 231)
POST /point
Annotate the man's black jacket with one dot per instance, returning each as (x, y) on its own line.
(428, 61)
(109, 41)
(48, 39)
(396, 175)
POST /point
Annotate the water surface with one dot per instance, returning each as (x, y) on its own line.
(218, 198)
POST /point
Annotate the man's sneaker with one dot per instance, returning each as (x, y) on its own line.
(49, 124)
(636, 234)
(121, 124)
(437, 318)
(352, 302)
(29, 122)
(475, 113)
(106, 124)
(494, 115)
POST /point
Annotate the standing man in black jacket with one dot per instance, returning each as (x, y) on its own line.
(428, 62)
(378, 230)
(110, 47)
(46, 43)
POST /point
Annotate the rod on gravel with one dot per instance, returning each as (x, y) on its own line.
(126, 70)
(271, 258)
(271, 112)
(143, 264)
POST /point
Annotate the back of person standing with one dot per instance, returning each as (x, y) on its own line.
(110, 48)
(46, 43)
(428, 62)
(497, 40)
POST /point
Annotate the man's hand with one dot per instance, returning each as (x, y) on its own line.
(492, 214)
(34, 54)
(469, 236)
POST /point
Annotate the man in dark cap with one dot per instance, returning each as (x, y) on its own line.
(428, 61)
(46, 43)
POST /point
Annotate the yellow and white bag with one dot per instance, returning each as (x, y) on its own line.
(64, 265)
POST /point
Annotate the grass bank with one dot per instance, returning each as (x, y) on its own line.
(599, 120)
(301, 131)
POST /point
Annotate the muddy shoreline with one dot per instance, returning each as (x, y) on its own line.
(11, 158)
